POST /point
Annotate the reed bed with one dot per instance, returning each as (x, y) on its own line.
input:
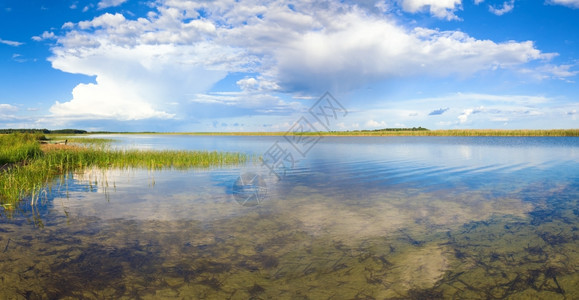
(18, 148)
(452, 132)
(28, 168)
(400, 132)
(79, 139)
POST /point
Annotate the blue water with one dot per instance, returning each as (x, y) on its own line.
(351, 217)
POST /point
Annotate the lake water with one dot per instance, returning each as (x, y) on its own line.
(339, 218)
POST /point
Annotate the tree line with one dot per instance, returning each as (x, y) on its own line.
(44, 131)
(420, 128)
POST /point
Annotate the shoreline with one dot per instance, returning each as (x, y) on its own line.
(441, 132)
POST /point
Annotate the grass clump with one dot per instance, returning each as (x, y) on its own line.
(29, 166)
(79, 139)
(19, 148)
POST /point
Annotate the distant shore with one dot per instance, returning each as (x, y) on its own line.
(416, 131)
(449, 132)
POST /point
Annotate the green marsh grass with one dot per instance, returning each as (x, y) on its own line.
(80, 139)
(18, 148)
(28, 169)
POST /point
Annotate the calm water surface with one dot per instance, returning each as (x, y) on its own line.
(356, 217)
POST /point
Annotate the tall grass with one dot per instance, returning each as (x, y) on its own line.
(29, 169)
(79, 139)
(18, 148)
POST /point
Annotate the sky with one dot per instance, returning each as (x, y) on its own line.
(259, 65)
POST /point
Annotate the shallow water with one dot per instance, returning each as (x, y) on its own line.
(355, 217)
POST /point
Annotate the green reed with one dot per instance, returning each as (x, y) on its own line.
(28, 169)
(79, 139)
(18, 147)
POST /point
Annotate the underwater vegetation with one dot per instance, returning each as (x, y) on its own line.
(182, 236)
(273, 253)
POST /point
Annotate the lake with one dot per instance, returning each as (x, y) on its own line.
(320, 218)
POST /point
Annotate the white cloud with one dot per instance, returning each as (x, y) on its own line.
(443, 9)
(365, 49)
(7, 108)
(467, 112)
(475, 110)
(110, 3)
(11, 43)
(7, 114)
(375, 124)
(507, 7)
(131, 83)
(560, 72)
(44, 36)
(250, 102)
(569, 3)
(142, 64)
(252, 84)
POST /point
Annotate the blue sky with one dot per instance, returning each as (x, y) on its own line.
(176, 65)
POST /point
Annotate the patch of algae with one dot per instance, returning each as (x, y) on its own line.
(307, 247)
(381, 214)
(260, 255)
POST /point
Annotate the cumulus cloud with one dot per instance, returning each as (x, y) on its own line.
(254, 98)
(131, 84)
(138, 67)
(175, 54)
(261, 84)
(44, 36)
(443, 9)
(368, 49)
(467, 112)
(568, 3)
(507, 7)
(376, 124)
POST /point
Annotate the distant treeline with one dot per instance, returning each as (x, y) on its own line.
(45, 131)
(395, 129)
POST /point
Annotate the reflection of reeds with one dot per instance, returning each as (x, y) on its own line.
(27, 167)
